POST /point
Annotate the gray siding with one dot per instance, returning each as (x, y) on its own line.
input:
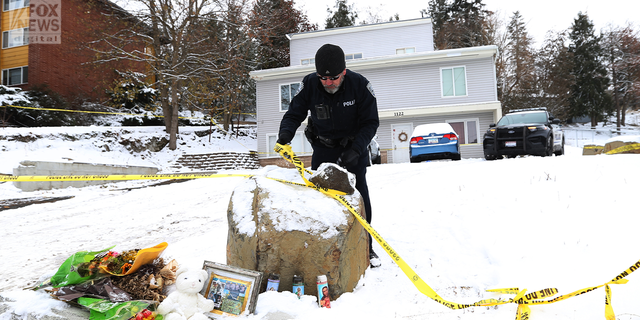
(419, 85)
(371, 43)
(395, 88)
(268, 110)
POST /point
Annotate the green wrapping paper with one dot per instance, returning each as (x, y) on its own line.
(71, 271)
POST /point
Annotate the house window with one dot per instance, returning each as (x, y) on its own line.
(307, 61)
(15, 4)
(15, 76)
(15, 38)
(405, 50)
(454, 82)
(466, 129)
(352, 56)
(300, 145)
(287, 92)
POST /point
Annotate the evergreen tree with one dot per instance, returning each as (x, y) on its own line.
(344, 16)
(269, 23)
(439, 12)
(553, 64)
(518, 83)
(460, 23)
(589, 95)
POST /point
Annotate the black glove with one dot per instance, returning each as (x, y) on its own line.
(350, 157)
(284, 137)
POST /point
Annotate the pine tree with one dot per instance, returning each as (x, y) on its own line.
(589, 95)
(460, 24)
(344, 16)
(518, 83)
(269, 23)
(439, 12)
(553, 64)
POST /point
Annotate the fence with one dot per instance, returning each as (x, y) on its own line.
(581, 137)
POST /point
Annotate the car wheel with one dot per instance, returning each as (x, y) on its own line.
(489, 157)
(561, 151)
(549, 148)
(377, 160)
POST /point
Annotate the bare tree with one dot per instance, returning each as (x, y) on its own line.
(622, 54)
(170, 30)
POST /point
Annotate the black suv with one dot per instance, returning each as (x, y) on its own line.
(522, 132)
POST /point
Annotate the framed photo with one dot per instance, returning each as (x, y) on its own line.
(233, 290)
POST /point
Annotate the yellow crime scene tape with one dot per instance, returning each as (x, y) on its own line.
(625, 148)
(101, 112)
(125, 114)
(522, 299)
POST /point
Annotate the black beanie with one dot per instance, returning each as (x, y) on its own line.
(330, 60)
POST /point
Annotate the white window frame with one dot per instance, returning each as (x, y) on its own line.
(15, 33)
(404, 50)
(23, 79)
(353, 56)
(455, 95)
(291, 95)
(299, 145)
(466, 129)
(8, 4)
(305, 62)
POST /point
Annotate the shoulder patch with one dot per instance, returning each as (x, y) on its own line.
(370, 87)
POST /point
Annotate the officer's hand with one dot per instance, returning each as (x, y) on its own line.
(350, 157)
(284, 137)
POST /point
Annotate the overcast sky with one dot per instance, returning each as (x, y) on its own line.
(540, 16)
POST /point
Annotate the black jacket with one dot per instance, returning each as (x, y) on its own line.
(351, 112)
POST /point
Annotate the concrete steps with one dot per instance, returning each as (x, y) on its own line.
(219, 161)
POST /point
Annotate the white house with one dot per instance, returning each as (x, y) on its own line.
(413, 85)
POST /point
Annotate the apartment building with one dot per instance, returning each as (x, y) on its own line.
(44, 44)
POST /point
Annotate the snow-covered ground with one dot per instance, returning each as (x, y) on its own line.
(566, 222)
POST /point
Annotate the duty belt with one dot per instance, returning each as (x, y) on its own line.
(334, 143)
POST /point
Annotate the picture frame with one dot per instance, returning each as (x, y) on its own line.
(233, 290)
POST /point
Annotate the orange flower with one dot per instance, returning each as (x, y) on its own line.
(126, 267)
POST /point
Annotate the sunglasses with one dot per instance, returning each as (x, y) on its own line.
(329, 78)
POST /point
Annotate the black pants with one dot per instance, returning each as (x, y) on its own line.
(322, 154)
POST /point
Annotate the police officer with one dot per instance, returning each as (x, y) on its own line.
(344, 119)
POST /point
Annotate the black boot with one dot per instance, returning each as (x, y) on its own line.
(374, 261)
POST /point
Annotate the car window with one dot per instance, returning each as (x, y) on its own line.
(523, 118)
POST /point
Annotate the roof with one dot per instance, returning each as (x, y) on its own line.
(383, 61)
(359, 28)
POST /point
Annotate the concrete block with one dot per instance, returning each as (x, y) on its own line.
(46, 168)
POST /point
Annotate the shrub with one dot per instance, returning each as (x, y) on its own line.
(131, 92)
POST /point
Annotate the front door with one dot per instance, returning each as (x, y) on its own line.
(400, 135)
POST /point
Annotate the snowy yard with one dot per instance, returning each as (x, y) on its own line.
(566, 222)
